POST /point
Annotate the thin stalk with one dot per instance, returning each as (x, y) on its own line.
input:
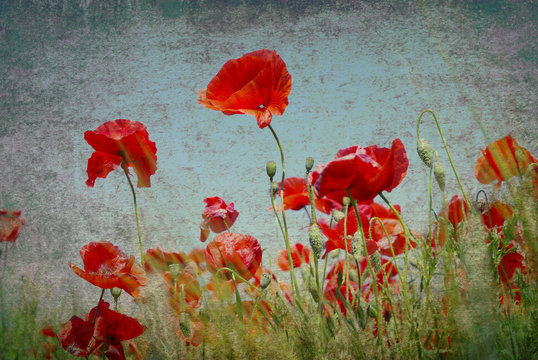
(98, 303)
(286, 238)
(446, 149)
(124, 167)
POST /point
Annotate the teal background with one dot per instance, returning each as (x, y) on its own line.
(361, 73)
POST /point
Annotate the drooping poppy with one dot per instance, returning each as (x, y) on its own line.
(81, 337)
(121, 141)
(216, 216)
(501, 160)
(240, 252)
(106, 266)
(299, 255)
(10, 224)
(365, 172)
(256, 84)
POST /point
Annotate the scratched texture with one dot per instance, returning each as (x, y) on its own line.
(361, 71)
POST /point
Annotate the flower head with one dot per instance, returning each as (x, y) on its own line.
(501, 160)
(216, 216)
(256, 84)
(10, 224)
(106, 266)
(81, 337)
(240, 252)
(299, 255)
(365, 172)
(121, 141)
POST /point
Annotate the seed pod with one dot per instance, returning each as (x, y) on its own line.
(270, 167)
(115, 292)
(337, 215)
(185, 324)
(346, 201)
(356, 245)
(439, 173)
(425, 151)
(174, 270)
(309, 163)
(265, 280)
(316, 240)
(376, 260)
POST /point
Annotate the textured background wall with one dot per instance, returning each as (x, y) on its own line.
(361, 73)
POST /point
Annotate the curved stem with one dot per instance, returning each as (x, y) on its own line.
(98, 303)
(124, 167)
(446, 149)
(487, 203)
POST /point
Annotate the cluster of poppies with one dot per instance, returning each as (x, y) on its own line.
(258, 84)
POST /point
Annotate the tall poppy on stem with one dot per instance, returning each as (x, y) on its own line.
(257, 84)
(120, 141)
(365, 172)
(106, 266)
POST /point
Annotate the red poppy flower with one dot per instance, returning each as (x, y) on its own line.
(295, 193)
(335, 235)
(48, 331)
(497, 213)
(191, 287)
(365, 172)
(457, 210)
(117, 141)
(394, 229)
(501, 160)
(256, 84)
(159, 259)
(216, 216)
(330, 294)
(106, 266)
(509, 264)
(81, 337)
(10, 224)
(299, 255)
(240, 252)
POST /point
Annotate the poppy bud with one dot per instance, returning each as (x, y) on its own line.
(376, 260)
(439, 173)
(115, 292)
(425, 151)
(185, 324)
(270, 167)
(346, 201)
(337, 215)
(309, 163)
(174, 270)
(316, 240)
(265, 281)
(356, 245)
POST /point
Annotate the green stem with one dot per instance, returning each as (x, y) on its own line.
(124, 167)
(286, 238)
(446, 149)
(98, 303)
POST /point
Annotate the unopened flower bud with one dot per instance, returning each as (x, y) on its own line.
(115, 292)
(174, 270)
(309, 163)
(346, 201)
(356, 245)
(265, 280)
(439, 173)
(425, 151)
(376, 260)
(337, 215)
(316, 240)
(270, 167)
(185, 324)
